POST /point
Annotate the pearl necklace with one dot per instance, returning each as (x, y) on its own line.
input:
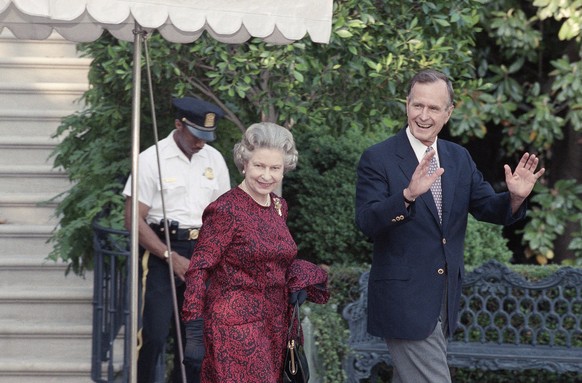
(267, 203)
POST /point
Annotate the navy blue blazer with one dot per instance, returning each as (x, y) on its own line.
(405, 288)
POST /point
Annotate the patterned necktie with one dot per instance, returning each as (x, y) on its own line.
(435, 188)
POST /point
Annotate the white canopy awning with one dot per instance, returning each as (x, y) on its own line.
(183, 21)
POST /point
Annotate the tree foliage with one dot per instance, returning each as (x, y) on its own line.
(515, 90)
(530, 54)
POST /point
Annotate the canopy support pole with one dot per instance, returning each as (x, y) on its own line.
(135, 128)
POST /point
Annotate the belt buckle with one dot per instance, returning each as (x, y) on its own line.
(193, 234)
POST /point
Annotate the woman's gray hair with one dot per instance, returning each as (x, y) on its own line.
(266, 135)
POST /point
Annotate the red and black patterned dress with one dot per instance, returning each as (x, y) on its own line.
(238, 281)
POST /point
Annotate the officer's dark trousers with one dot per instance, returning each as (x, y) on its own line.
(157, 321)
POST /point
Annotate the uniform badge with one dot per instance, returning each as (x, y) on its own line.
(209, 173)
(209, 120)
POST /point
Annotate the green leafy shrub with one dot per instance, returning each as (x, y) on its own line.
(553, 209)
(321, 195)
(330, 329)
(484, 241)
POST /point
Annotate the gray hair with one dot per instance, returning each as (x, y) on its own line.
(428, 76)
(266, 135)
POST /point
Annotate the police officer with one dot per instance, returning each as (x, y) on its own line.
(193, 175)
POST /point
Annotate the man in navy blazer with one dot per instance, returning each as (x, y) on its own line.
(417, 268)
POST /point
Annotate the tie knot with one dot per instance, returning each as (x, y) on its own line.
(428, 149)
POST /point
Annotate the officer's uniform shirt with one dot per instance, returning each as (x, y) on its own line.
(189, 185)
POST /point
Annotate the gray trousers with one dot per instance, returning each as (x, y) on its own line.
(422, 361)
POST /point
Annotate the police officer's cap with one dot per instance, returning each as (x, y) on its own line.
(200, 117)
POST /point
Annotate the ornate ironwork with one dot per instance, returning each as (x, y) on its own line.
(110, 304)
(505, 322)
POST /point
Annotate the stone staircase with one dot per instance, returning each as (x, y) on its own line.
(45, 315)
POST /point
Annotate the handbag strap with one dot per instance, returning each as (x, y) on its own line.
(294, 315)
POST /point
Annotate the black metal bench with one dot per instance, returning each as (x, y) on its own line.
(506, 323)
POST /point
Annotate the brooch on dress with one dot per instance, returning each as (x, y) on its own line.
(278, 205)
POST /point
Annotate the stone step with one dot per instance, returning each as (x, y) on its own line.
(45, 314)
(32, 123)
(59, 369)
(37, 340)
(22, 183)
(66, 304)
(29, 208)
(25, 240)
(26, 150)
(46, 370)
(44, 69)
(35, 271)
(30, 178)
(41, 96)
(28, 215)
(54, 46)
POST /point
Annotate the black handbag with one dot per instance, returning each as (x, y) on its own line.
(296, 369)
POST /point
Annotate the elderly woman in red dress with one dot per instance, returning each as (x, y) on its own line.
(244, 269)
